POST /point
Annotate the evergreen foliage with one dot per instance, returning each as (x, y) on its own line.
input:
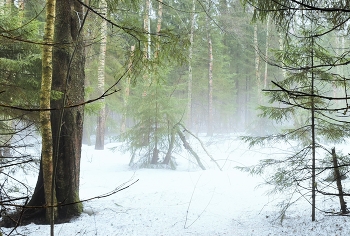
(20, 62)
(20, 76)
(155, 110)
(305, 103)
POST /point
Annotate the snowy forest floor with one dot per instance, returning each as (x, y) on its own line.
(186, 201)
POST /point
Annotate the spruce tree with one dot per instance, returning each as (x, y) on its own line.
(303, 105)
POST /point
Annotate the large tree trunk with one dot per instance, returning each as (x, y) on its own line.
(45, 122)
(101, 118)
(67, 124)
(68, 144)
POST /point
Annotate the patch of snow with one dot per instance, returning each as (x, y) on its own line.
(187, 201)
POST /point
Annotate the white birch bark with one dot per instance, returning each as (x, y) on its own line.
(190, 75)
(45, 120)
(210, 78)
(266, 50)
(257, 61)
(101, 119)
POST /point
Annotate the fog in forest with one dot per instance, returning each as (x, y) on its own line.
(159, 117)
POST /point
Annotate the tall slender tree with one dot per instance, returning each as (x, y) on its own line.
(190, 73)
(127, 85)
(210, 124)
(101, 117)
(45, 122)
(266, 50)
(257, 60)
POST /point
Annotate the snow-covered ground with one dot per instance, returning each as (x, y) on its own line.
(187, 201)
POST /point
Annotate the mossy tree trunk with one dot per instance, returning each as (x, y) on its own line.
(45, 122)
(68, 78)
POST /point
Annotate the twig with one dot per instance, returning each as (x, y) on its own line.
(118, 189)
(189, 204)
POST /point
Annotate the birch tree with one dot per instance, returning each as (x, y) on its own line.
(266, 50)
(257, 60)
(66, 124)
(190, 74)
(210, 123)
(45, 121)
(101, 117)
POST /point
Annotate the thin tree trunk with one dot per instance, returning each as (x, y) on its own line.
(159, 26)
(2, 9)
(155, 157)
(189, 148)
(190, 75)
(167, 157)
(313, 137)
(210, 130)
(257, 61)
(266, 50)
(21, 9)
(127, 90)
(147, 28)
(281, 48)
(101, 118)
(340, 40)
(45, 122)
(147, 77)
(147, 43)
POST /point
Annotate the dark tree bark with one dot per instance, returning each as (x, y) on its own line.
(170, 149)
(338, 178)
(189, 149)
(68, 79)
